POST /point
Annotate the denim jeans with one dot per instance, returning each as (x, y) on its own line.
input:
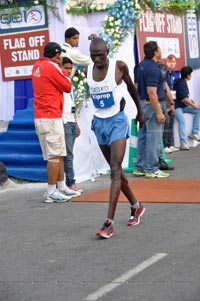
(181, 121)
(70, 136)
(149, 141)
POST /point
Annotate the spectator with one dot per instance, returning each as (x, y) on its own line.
(184, 104)
(72, 131)
(171, 75)
(110, 125)
(168, 100)
(167, 107)
(70, 46)
(151, 89)
(49, 83)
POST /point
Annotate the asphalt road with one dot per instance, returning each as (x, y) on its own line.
(49, 252)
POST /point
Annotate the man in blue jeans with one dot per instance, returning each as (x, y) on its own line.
(151, 89)
(184, 104)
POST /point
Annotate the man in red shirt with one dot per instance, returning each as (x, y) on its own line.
(49, 83)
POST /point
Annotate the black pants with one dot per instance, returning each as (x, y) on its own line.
(168, 136)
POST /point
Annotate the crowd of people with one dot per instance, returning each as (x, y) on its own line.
(164, 97)
(159, 94)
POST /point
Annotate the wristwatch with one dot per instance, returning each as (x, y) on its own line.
(172, 103)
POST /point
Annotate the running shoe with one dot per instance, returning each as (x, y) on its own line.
(167, 150)
(69, 192)
(138, 173)
(135, 215)
(184, 146)
(56, 197)
(157, 174)
(173, 149)
(107, 230)
(194, 137)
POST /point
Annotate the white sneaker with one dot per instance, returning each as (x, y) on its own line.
(69, 192)
(194, 137)
(56, 197)
(173, 149)
(184, 146)
(167, 150)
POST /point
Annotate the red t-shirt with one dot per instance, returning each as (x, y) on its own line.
(49, 83)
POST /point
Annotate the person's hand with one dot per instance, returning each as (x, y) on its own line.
(171, 109)
(161, 117)
(92, 36)
(78, 130)
(57, 59)
(140, 119)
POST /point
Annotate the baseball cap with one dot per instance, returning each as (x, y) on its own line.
(51, 49)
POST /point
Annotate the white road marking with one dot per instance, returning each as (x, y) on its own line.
(125, 277)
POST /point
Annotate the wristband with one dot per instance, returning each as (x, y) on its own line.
(172, 103)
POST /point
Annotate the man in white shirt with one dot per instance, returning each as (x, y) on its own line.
(72, 131)
(70, 46)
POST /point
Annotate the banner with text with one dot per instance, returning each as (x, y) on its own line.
(192, 40)
(167, 30)
(23, 35)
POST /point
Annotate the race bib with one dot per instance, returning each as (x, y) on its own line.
(103, 100)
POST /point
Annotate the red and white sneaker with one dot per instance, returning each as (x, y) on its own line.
(76, 188)
(107, 230)
(135, 215)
